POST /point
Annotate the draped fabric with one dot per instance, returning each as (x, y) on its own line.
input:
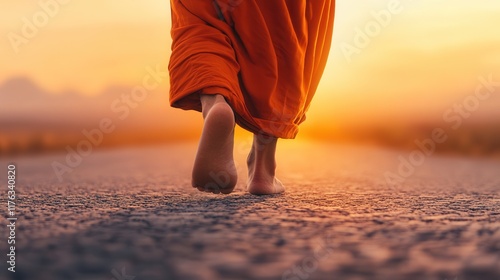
(266, 57)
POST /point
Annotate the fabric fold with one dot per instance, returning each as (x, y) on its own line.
(266, 57)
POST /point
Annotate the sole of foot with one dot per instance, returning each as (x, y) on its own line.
(214, 169)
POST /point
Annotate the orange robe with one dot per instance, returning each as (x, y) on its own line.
(265, 57)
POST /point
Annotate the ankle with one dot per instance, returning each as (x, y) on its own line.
(208, 101)
(261, 159)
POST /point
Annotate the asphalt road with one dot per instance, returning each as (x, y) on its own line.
(131, 214)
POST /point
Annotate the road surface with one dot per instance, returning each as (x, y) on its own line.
(131, 214)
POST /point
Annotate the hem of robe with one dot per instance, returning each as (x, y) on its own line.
(190, 100)
(209, 56)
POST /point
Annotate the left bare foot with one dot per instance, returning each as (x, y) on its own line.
(214, 169)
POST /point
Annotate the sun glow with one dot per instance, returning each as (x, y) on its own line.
(412, 66)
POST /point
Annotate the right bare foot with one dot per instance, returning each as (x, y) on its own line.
(261, 167)
(214, 169)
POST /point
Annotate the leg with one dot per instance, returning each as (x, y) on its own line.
(214, 169)
(261, 167)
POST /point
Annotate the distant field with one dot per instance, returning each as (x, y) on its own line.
(474, 140)
(35, 121)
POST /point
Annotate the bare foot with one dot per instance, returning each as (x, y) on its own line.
(261, 167)
(214, 169)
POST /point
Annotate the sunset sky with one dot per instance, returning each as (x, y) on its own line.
(426, 57)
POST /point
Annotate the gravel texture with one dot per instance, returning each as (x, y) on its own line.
(131, 214)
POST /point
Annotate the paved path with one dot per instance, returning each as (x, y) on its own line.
(132, 213)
